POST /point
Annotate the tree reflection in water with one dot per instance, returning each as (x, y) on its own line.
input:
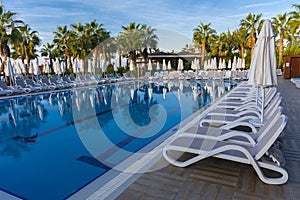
(20, 119)
(23, 118)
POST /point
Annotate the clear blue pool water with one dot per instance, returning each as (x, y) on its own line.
(54, 144)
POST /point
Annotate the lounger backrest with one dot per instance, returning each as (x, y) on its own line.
(270, 137)
(228, 73)
(53, 80)
(210, 74)
(46, 81)
(272, 105)
(270, 95)
(65, 78)
(20, 82)
(3, 85)
(30, 82)
(234, 73)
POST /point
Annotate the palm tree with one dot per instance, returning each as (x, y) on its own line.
(149, 38)
(281, 26)
(118, 43)
(9, 33)
(240, 42)
(132, 39)
(48, 51)
(63, 41)
(229, 42)
(251, 23)
(219, 44)
(96, 34)
(188, 48)
(86, 39)
(294, 21)
(201, 37)
(30, 40)
(80, 33)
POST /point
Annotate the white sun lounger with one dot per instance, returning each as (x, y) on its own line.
(229, 121)
(205, 148)
(250, 110)
(232, 121)
(231, 103)
(250, 138)
(238, 105)
(246, 94)
(8, 90)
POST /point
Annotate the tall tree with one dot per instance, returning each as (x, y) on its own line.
(149, 37)
(219, 44)
(229, 42)
(188, 48)
(251, 23)
(9, 33)
(97, 35)
(132, 39)
(201, 37)
(240, 42)
(30, 41)
(294, 23)
(48, 51)
(280, 24)
(117, 40)
(63, 41)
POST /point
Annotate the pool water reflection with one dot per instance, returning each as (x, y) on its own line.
(53, 144)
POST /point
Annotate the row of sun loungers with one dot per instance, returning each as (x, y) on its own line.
(202, 75)
(227, 132)
(23, 85)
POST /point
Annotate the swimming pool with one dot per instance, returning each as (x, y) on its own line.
(54, 144)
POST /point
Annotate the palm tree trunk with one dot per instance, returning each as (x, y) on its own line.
(252, 44)
(95, 53)
(280, 48)
(104, 53)
(202, 53)
(70, 64)
(51, 63)
(242, 51)
(4, 64)
(119, 57)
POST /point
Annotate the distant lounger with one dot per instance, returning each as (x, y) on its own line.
(8, 90)
(26, 88)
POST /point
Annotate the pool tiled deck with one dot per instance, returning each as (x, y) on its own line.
(214, 178)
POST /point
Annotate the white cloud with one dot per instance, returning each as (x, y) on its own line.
(261, 4)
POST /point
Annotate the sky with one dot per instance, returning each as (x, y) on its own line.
(174, 20)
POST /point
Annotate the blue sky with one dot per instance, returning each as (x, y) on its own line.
(169, 17)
